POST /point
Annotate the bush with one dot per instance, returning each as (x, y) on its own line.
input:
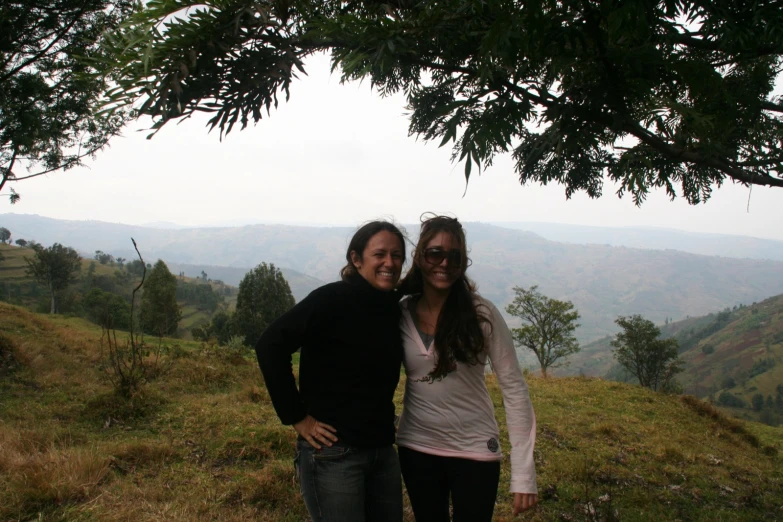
(707, 349)
(757, 402)
(107, 309)
(761, 366)
(769, 418)
(731, 400)
(7, 359)
(237, 343)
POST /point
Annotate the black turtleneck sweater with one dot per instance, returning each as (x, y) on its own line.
(349, 365)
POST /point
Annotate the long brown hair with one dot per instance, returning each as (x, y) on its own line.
(458, 333)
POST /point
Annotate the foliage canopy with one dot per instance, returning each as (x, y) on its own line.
(672, 94)
(550, 332)
(263, 296)
(109, 310)
(48, 87)
(160, 313)
(652, 360)
(55, 267)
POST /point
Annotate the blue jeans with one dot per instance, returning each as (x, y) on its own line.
(347, 484)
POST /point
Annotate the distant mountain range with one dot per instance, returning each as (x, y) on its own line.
(603, 281)
(301, 284)
(656, 239)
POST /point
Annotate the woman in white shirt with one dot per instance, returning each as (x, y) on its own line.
(448, 438)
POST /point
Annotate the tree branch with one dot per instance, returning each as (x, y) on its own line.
(680, 153)
(8, 173)
(45, 50)
(771, 106)
(58, 167)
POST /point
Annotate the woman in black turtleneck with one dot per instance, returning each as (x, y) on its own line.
(349, 367)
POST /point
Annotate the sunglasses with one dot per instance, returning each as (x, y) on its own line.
(435, 256)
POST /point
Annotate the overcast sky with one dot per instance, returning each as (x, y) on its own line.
(340, 155)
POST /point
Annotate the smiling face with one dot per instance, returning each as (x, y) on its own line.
(381, 262)
(440, 269)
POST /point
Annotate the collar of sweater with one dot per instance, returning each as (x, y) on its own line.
(365, 290)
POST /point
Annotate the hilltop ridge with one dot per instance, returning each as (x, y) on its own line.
(602, 281)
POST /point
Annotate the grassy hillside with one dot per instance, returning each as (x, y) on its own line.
(19, 288)
(737, 351)
(13, 271)
(13, 264)
(202, 443)
(743, 357)
(603, 281)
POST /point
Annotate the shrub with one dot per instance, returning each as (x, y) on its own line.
(761, 366)
(731, 400)
(237, 343)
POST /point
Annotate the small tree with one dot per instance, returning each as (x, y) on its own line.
(21, 242)
(103, 258)
(652, 360)
(135, 267)
(160, 312)
(5, 235)
(125, 364)
(54, 267)
(109, 310)
(263, 296)
(550, 332)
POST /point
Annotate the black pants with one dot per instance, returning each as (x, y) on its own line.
(431, 480)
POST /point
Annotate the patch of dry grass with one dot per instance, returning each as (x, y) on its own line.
(203, 443)
(38, 472)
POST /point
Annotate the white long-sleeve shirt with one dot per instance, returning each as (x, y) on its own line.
(454, 416)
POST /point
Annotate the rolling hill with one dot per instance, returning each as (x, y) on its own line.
(18, 287)
(723, 245)
(736, 351)
(300, 284)
(602, 281)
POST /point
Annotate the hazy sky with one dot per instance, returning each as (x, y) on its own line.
(340, 154)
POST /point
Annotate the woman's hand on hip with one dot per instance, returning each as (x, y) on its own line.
(524, 501)
(316, 433)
